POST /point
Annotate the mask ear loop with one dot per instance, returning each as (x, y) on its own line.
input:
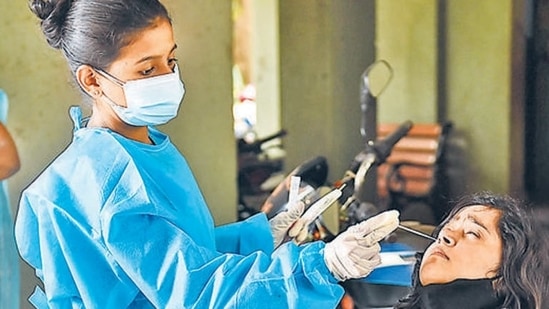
(114, 80)
(110, 77)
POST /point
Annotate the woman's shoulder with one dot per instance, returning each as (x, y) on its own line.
(86, 138)
(92, 153)
(85, 171)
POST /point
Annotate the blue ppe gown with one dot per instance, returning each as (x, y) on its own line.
(114, 223)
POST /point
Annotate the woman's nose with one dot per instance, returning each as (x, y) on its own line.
(446, 238)
(165, 69)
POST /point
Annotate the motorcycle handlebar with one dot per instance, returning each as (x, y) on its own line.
(381, 149)
(384, 147)
(255, 146)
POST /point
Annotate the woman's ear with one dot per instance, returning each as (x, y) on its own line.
(494, 273)
(87, 79)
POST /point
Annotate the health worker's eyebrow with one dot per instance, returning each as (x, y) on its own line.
(147, 58)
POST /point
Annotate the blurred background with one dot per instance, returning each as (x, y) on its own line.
(483, 65)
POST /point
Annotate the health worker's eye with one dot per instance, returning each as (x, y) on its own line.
(172, 62)
(147, 72)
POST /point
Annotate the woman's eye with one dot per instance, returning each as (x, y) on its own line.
(147, 72)
(172, 62)
(473, 233)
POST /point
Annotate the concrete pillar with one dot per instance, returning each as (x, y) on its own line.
(324, 48)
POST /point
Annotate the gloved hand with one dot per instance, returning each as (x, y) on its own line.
(281, 223)
(355, 252)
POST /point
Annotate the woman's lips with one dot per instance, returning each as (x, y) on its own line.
(439, 252)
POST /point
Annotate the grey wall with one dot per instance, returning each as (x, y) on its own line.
(463, 61)
(324, 48)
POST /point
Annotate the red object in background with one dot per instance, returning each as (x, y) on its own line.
(347, 302)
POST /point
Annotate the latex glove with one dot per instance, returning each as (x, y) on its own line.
(299, 231)
(355, 253)
(281, 223)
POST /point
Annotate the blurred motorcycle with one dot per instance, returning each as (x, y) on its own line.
(359, 192)
(357, 199)
(260, 169)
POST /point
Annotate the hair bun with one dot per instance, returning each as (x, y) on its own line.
(53, 14)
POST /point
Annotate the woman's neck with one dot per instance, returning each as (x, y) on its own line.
(112, 122)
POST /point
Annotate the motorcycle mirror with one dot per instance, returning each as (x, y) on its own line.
(374, 81)
(377, 77)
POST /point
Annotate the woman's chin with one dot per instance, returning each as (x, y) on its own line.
(431, 272)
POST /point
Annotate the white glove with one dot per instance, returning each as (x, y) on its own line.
(355, 252)
(299, 231)
(281, 223)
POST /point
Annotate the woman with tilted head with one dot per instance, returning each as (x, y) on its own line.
(488, 254)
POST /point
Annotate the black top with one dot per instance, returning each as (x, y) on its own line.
(459, 294)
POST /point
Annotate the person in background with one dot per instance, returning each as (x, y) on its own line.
(117, 220)
(488, 254)
(9, 157)
(9, 165)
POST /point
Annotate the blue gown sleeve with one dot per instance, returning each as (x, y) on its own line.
(177, 272)
(246, 236)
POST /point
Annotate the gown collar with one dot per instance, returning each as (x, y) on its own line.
(158, 138)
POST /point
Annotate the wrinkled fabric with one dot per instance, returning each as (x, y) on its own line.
(113, 223)
(9, 261)
(460, 293)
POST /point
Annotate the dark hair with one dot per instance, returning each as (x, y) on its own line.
(93, 31)
(522, 278)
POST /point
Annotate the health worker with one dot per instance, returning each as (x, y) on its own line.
(117, 220)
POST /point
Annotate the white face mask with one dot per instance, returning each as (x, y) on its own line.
(150, 101)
